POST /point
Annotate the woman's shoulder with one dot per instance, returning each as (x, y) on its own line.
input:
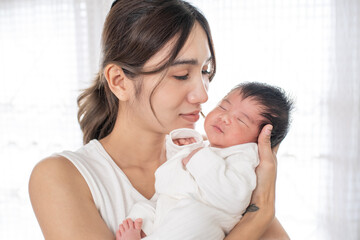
(57, 189)
(56, 174)
(54, 165)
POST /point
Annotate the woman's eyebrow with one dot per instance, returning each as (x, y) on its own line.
(188, 61)
(185, 61)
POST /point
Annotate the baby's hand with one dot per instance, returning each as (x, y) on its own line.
(184, 141)
(187, 159)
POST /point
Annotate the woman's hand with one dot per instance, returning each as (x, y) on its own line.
(259, 222)
(264, 192)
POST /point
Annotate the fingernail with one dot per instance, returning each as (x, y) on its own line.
(268, 130)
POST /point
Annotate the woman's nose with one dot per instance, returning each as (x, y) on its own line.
(199, 92)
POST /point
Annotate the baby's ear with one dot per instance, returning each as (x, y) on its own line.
(122, 87)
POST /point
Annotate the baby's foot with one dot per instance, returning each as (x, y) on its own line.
(129, 230)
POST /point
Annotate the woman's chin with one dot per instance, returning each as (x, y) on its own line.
(187, 125)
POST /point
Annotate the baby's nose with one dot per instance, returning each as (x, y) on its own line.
(226, 118)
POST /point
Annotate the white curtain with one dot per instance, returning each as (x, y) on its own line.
(49, 50)
(341, 149)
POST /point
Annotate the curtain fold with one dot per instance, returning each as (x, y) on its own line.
(342, 213)
(89, 19)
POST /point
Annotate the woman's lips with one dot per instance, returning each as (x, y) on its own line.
(191, 117)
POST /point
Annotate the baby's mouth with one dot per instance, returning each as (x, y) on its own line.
(217, 128)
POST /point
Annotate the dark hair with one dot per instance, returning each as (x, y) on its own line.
(276, 107)
(134, 31)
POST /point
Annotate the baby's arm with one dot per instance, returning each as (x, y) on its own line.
(225, 184)
(186, 160)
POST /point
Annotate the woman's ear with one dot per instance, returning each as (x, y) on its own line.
(118, 82)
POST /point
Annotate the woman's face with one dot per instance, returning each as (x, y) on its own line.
(180, 90)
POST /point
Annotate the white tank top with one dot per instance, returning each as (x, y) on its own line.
(111, 190)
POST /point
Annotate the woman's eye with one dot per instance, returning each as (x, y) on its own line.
(206, 72)
(207, 69)
(182, 77)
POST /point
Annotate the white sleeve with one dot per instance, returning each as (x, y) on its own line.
(225, 184)
(172, 149)
(146, 211)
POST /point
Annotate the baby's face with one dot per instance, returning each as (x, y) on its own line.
(234, 121)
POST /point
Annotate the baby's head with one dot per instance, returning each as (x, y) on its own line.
(244, 111)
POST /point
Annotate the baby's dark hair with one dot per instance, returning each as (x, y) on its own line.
(276, 107)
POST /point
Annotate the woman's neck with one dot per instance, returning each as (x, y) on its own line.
(132, 146)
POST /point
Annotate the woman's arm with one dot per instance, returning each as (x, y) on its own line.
(275, 232)
(262, 224)
(63, 204)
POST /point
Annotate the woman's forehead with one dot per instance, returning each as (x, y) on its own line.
(196, 49)
(161, 57)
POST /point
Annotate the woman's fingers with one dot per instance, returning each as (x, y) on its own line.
(266, 170)
(264, 143)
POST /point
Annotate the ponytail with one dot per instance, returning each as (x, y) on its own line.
(98, 108)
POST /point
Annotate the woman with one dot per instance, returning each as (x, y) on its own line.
(158, 60)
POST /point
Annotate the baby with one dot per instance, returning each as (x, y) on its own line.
(204, 187)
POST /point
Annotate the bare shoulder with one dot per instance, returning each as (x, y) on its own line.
(57, 174)
(54, 169)
(60, 196)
